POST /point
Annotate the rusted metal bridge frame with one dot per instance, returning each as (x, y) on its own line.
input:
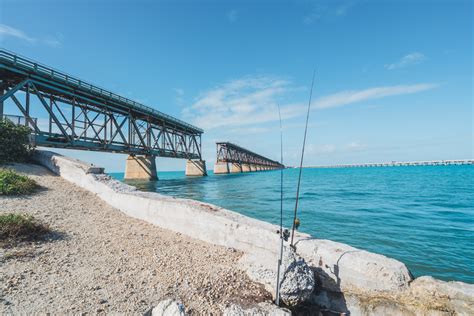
(230, 153)
(83, 116)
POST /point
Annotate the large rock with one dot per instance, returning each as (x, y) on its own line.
(168, 307)
(296, 279)
(262, 309)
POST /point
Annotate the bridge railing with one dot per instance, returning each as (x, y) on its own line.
(36, 67)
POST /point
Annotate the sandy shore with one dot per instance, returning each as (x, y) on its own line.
(104, 261)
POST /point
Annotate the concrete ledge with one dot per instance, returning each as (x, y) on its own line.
(345, 268)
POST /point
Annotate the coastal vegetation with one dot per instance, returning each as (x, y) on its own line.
(12, 183)
(15, 228)
(14, 142)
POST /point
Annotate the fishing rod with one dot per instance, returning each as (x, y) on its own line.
(295, 219)
(277, 301)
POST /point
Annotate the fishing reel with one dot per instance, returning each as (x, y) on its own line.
(285, 234)
(297, 223)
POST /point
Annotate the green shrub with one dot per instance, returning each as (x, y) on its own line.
(14, 142)
(11, 183)
(20, 227)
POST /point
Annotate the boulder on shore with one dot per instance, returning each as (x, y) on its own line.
(297, 280)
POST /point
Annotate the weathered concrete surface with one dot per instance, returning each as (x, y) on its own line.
(425, 296)
(221, 168)
(351, 278)
(262, 309)
(342, 267)
(168, 307)
(236, 168)
(455, 296)
(140, 167)
(196, 168)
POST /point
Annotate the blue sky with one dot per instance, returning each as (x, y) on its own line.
(394, 79)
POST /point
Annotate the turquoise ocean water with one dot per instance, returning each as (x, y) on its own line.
(423, 216)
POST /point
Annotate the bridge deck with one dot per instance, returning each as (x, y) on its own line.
(85, 116)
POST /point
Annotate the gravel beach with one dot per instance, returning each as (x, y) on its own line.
(98, 260)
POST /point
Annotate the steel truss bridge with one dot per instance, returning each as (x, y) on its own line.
(78, 115)
(231, 153)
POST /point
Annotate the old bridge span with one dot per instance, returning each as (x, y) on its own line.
(63, 111)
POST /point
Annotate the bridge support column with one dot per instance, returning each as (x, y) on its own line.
(221, 168)
(196, 168)
(246, 167)
(140, 168)
(236, 168)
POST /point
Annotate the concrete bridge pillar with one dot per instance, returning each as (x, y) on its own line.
(221, 168)
(140, 168)
(196, 168)
(236, 168)
(246, 167)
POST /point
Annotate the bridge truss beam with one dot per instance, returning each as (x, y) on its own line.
(73, 117)
(231, 153)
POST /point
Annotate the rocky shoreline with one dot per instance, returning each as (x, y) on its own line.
(347, 280)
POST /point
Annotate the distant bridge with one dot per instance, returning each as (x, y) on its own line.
(241, 160)
(80, 115)
(399, 163)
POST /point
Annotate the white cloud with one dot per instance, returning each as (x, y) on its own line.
(179, 96)
(250, 100)
(354, 96)
(317, 11)
(355, 146)
(8, 31)
(232, 16)
(327, 10)
(253, 100)
(407, 60)
(323, 149)
(327, 149)
(343, 9)
(249, 130)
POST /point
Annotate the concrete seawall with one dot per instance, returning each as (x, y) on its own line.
(349, 279)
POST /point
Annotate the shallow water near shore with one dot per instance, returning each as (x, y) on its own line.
(422, 216)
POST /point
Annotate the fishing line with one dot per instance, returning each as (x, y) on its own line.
(301, 162)
(277, 301)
